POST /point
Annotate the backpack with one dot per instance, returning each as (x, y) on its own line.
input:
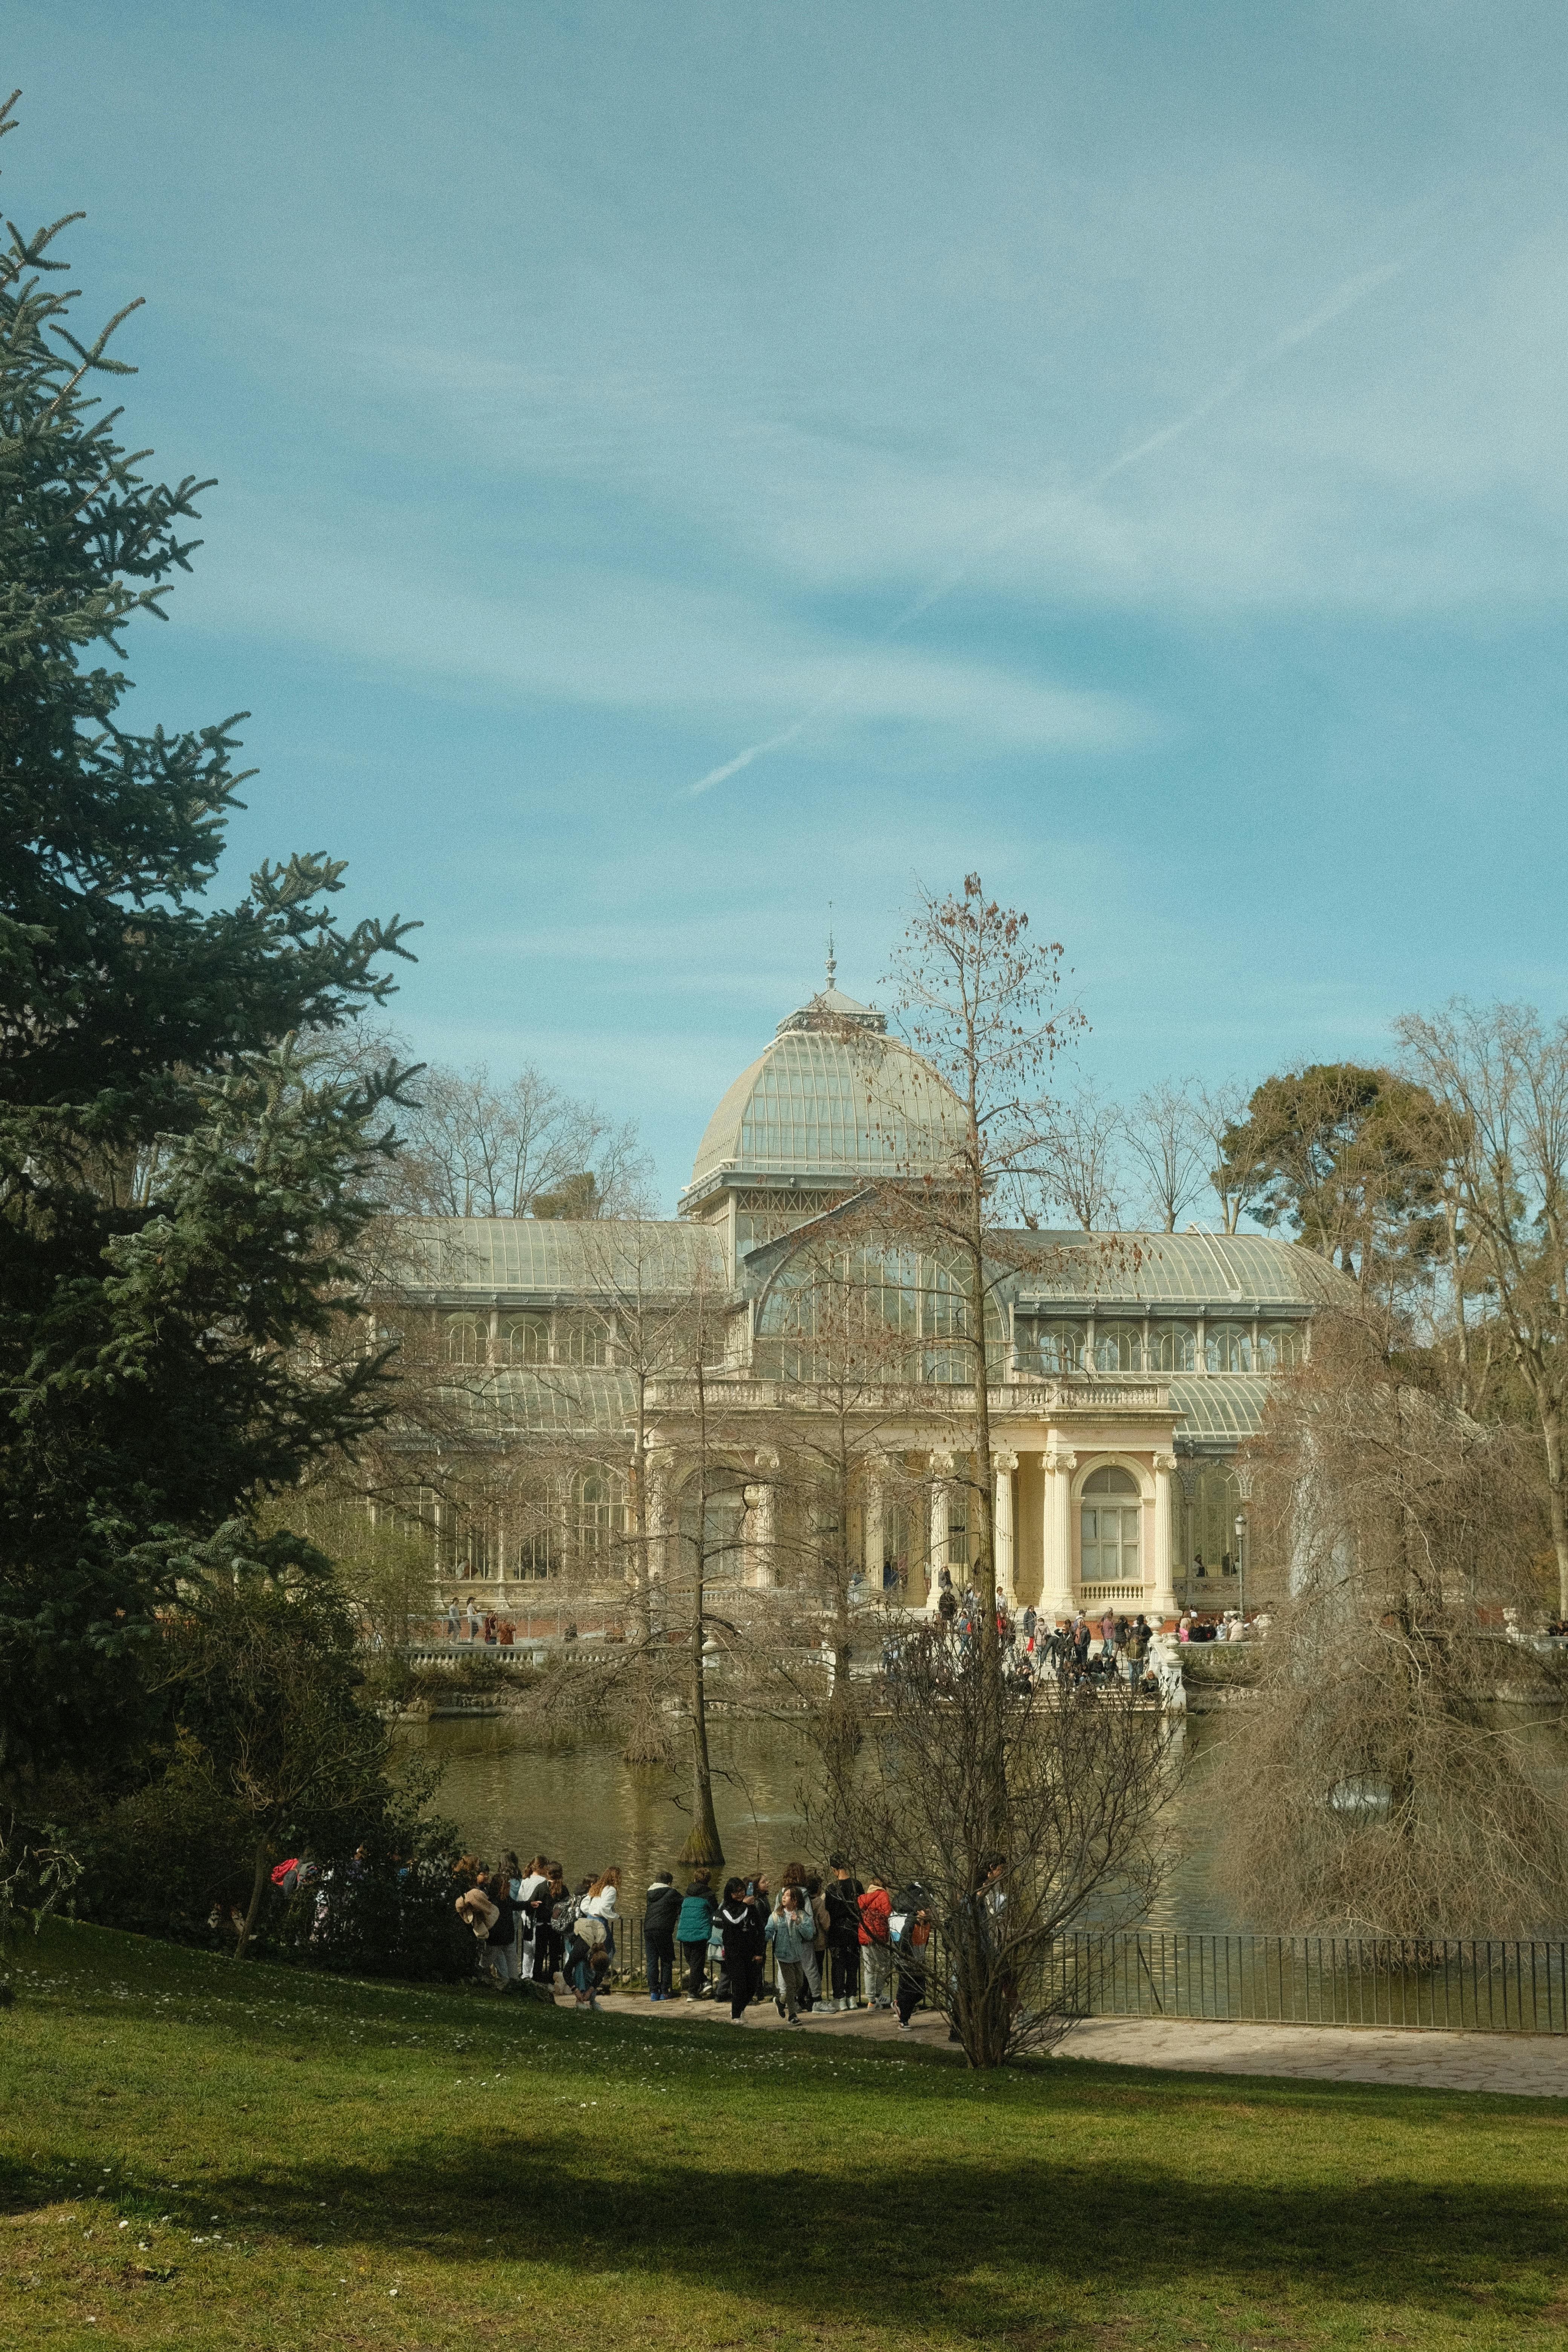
(589, 1930)
(562, 1914)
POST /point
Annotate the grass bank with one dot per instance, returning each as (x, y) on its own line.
(195, 2154)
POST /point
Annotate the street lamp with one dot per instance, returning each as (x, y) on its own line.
(1241, 1564)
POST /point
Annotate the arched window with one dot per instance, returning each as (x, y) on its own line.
(525, 1340)
(891, 1313)
(712, 1527)
(599, 1504)
(1118, 1347)
(1174, 1348)
(534, 1541)
(1227, 1346)
(583, 1339)
(1278, 1347)
(466, 1338)
(1109, 1521)
(1060, 1347)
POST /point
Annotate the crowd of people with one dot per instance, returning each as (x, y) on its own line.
(836, 1944)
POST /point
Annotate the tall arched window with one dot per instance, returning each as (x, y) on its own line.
(525, 1340)
(599, 1501)
(465, 1340)
(1118, 1347)
(1227, 1346)
(1109, 1527)
(1174, 1348)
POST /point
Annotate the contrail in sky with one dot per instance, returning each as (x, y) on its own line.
(1344, 298)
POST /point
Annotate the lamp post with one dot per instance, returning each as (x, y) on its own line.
(1241, 1564)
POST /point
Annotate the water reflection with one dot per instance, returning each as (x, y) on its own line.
(579, 1801)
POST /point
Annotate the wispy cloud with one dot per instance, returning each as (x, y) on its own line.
(1229, 387)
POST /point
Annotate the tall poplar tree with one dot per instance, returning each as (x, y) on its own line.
(180, 1191)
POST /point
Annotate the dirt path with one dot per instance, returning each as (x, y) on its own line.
(1524, 2064)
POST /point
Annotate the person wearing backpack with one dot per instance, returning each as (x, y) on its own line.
(557, 1911)
(842, 1897)
(500, 1950)
(661, 1913)
(694, 1925)
(584, 1953)
(476, 1910)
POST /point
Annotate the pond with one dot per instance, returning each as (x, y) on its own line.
(579, 1801)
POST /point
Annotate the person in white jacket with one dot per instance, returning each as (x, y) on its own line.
(600, 1903)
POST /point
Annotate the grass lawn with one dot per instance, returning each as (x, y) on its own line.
(197, 2154)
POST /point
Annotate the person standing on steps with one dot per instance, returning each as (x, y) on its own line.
(843, 1901)
(694, 1924)
(661, 1912)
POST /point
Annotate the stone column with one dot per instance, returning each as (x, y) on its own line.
(1056, 1584)
(940, 1506)
(659, 1463)
(1163, 1603)
(873, 1537)
(761, 1504)
(1002, 1527)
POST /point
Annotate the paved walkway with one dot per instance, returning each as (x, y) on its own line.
(1528, 2066)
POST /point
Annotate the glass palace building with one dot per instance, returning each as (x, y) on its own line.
(1125, 1372)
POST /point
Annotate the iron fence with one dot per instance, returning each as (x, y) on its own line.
(1472, 1985)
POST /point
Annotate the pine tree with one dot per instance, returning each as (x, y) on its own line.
(182, 1188)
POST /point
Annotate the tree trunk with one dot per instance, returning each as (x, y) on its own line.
(644, 1742)
(1461, 1327)
(1551, 1431)
(702, 1845)
(258, 1889)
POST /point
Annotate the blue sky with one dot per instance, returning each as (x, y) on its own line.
(1131, 437)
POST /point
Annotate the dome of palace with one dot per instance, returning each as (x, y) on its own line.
(832, 1096)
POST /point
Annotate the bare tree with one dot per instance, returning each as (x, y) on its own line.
(1218, 1110)
(843, 1365)
(652, 1292)
(1065, 1834)
(1078, 1157)
(1499, 1076)
(1166, 1137)
(1377, 1788)
(474, 1147)
(977, 998)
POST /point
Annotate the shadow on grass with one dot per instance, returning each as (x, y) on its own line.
(991, 2247)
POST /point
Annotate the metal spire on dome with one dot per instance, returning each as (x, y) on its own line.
(832, 960)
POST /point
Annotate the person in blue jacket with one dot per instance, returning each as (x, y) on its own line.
(693, 1929)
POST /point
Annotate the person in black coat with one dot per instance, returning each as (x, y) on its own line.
(661, 1913)
(843, 1898)
(745, 1944)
